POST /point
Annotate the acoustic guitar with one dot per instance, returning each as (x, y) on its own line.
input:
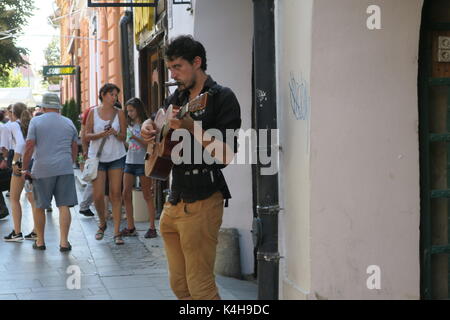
(158, 162)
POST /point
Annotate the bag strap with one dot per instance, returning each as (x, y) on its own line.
(99, 152)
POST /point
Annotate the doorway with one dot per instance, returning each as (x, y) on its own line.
(434, 128)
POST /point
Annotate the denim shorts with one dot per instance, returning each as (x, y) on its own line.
(116, 164)
(137, 170)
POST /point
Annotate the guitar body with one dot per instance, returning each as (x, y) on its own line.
(158, 162)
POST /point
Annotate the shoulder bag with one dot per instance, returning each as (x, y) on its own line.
(89, 173)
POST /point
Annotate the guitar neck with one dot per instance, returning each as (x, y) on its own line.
(195, 104)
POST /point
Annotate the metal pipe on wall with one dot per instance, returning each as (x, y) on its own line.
(266, 222)
(126, 29)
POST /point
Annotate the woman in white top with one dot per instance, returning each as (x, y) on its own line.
(134, 167)
(20, 119)
(112, 157)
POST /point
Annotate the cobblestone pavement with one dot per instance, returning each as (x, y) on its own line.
(134, 271)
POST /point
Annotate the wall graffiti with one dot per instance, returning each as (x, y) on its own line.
(299, 97)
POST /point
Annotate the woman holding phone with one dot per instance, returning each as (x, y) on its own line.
(109, 123)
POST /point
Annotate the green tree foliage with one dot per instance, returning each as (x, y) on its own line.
(52, 57)
(12, 80)
(13, 17)
(71, 110)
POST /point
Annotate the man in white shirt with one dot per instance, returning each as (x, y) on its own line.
(5, 173)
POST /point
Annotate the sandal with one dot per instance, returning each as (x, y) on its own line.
(101, 232)
(118, 240)
(128, 232)
(65, 249)
(36, 247)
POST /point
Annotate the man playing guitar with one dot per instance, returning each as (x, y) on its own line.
(192, 217)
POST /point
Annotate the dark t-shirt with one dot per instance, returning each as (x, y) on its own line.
(222, 112)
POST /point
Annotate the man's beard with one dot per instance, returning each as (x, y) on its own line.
(190, 86)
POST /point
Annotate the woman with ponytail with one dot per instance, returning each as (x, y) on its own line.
(19, 128)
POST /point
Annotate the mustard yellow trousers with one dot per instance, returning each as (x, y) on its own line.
(190, 232)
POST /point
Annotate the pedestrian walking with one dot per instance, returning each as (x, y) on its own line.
(5, 172)
(54, 140)
(6, 141)
(109, 123)
(87, 197)
(134, 167)
(20, 119)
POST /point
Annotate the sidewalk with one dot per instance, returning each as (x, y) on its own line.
(134, 271)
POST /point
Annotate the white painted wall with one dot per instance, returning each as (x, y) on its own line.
(293, 41)
(92, 65)
(137, 87)
(226, 30)
(182, 20)
(364, 160)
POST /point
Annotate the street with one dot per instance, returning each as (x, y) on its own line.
(134, 271)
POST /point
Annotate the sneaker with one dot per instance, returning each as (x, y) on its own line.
(3, 215)
(31, 236)
(151, 233)
(87, 213)
(13, 237)
(129, 232)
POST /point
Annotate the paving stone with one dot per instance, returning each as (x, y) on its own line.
(86, 281)
(167, 293)
(14, 290)
(115, 273)
(20, 284)
(136, 270)
(151, 271)
(126, 282)
(98, 291)
(226, 295)
(46, 289)
(144, 293)
(97, 297)
(51, 296)
(8, 297)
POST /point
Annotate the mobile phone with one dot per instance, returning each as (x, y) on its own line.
(107, 127)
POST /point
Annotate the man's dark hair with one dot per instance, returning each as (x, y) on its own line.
(2, 116)
(107, 87)
(187, 48)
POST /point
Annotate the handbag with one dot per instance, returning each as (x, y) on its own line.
(5, 179)
(89, 173)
